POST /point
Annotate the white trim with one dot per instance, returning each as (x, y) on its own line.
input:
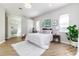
(2, 41)
(8, 37)
(73, 44)
(65, 42)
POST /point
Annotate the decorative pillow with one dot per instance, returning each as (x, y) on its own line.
(46, 31)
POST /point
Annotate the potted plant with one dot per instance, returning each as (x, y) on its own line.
(72, 35)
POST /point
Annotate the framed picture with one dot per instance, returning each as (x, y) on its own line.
(46, 23)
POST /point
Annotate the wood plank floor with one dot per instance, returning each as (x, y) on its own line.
(60, 49)
(55, 49)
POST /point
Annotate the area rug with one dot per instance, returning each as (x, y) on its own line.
(27, 49)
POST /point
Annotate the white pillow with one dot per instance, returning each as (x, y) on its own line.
(42, 40)
(46, 31)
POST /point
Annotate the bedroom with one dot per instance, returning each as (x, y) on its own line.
(42, 21)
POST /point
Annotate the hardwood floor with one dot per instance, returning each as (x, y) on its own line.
(6, 49)
(60, 49)
(55, 49)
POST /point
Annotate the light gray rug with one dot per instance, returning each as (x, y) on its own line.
(27, 49)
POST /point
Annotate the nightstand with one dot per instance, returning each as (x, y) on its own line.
(55, 38)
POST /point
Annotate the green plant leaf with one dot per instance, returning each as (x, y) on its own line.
(73, 33)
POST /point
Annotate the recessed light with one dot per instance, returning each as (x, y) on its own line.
(28, 5)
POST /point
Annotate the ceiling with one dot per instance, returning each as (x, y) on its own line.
(36, 9)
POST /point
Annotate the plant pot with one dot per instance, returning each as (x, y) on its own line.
(75, 44)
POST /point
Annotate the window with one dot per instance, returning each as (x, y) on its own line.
(64, 22)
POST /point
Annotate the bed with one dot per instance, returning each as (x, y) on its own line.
(40, 39)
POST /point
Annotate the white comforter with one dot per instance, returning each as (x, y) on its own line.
(42, 40)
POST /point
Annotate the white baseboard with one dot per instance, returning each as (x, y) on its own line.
(65, 42)
(2, 41)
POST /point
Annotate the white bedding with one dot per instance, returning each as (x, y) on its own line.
(42, 40)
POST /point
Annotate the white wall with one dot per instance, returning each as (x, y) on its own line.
(2, 25)
(72, 10)
(27, 25)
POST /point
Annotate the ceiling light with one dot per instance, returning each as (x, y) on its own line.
(28, 5)
(50, 5)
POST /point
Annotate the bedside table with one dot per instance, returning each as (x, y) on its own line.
(56, 37)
